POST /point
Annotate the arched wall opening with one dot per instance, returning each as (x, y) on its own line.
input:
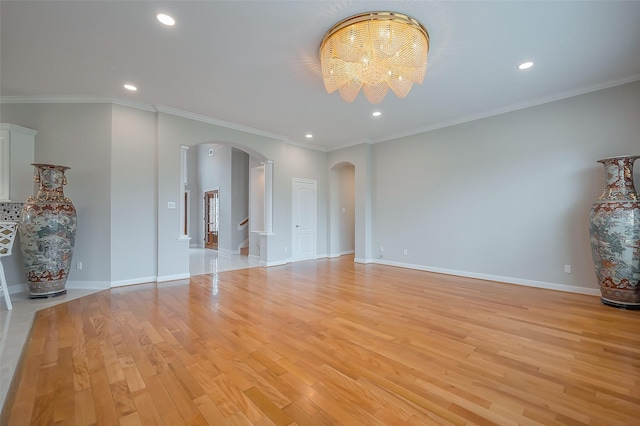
(241, 179)
(342, 205)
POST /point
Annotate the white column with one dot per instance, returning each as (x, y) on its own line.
(268, 196)
(183, 183)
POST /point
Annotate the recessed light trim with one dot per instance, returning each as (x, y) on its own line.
(525, 65)
(130, 87)
(308, 136)
(166, 19)
(376, 114)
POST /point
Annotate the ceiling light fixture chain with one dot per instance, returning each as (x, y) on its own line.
(374, 51)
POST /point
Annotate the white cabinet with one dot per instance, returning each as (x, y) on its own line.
(17, 145)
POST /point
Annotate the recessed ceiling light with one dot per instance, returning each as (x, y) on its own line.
(377, 114)
(308, 135)
(166, 19)
(130, 87)
(525, 65)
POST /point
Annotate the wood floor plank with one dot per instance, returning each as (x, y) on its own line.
(85, 408)
(330, 342)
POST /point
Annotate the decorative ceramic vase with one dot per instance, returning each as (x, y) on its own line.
(47, 233)
(615, 235)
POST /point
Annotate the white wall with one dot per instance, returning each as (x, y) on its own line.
(301, 163)
(215, 173)
(239, 198)
(77, 136)
(360, 156)
(133, 196)
(193, 186)
(507, 197)
(288, 161)
(228, 171)
(22, 154)
(347, 208)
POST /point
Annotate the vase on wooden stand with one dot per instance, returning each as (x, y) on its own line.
(614, 229)
(47, 233)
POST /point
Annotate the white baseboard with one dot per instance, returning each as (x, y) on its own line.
(276, 263)
(497, 278)
(253, 258)
(173, 277)
(142, 280)
(365, 261)
(18, 288)
(225, 252)
(88, 285)
(74, 285)
(342, 253)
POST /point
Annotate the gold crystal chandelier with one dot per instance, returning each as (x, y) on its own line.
(374, 51)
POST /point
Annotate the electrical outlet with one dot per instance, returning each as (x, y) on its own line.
(286, 249)
(381, 249)
(567, 269)
(171, 205)
(405, 252)
(78, 265)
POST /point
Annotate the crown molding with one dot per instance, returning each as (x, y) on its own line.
(510, 108)
(221, 123)
(152, 108)
(75, 100)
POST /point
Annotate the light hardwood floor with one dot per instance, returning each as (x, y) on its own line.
(330, 342)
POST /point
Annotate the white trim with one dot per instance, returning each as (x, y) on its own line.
(364, 261)
(73, 285)
(345, 252)
(183, 189)
(333, 255)
(226, 124)
(5, 165)
(253, 258)
(507, 109)
(142, 280)
(88, 285)
(226, 252)
(154, 108)
(175, 277)
(496, 278)
(76, 100)
(18, 288)
(215, 121)
(275, 263)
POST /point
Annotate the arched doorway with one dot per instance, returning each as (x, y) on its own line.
(342, 209)
(223, 195)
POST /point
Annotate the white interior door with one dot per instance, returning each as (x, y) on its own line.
(303, 224)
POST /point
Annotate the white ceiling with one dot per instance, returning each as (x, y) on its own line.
(255, 64)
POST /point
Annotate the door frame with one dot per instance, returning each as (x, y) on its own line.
(205, 216)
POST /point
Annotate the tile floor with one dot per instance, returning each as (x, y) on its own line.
(15, 324)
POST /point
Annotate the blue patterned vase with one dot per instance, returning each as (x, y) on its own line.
(47, 233)
(615, 235)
